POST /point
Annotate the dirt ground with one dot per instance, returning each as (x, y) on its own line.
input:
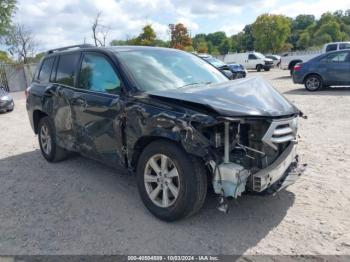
(82, 207)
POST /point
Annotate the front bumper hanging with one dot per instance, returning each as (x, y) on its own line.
(284, 171)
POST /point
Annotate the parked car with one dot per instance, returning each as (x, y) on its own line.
(289, 60)
(238, 70)
(218, 64)
(250, 60)
(276, 59)
(175, 120)
(329, 69)
(6, 101)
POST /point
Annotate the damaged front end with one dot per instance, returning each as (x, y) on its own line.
(254, 155)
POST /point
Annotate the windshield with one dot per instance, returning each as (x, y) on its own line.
(168, 69)
(215, 62)
(259, 55)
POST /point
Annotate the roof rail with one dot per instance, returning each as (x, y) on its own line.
(68, 47)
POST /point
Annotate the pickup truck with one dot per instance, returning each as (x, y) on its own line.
(289, 60)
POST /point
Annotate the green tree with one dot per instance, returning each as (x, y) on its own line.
(7, 8)
(304, 40)
(271, 32)
(217, 38)
(225, 47)
(248, 38)
(4, 58)
(199, 40)
(202, 46)
(299, 24)
(148, 36)
(118, 42)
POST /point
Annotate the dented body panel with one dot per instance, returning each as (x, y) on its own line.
(243, 97)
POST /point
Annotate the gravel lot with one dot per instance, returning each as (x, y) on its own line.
(82, 207)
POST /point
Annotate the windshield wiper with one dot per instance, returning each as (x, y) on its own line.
(196, 83)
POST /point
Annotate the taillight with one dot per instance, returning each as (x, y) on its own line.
(297, 67)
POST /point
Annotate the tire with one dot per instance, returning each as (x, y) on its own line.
(259, 68)
(50, 150)
(313, 83)
(267, 69)
(190, 181)
(291, 71)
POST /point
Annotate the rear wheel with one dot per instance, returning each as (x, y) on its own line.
(47, 141)
(172, 184)
(313, 83)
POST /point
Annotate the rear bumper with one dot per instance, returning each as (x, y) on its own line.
(297, 78)
(281, 173)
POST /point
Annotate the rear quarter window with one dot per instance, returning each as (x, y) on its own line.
(332, 47)
(67, 69)
(45, 70)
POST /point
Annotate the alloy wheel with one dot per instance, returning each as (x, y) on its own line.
(162, 180)
(313, 83)
(45, 139)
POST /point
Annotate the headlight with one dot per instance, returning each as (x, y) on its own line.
(5, 98)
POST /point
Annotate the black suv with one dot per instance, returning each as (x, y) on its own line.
(168, 115)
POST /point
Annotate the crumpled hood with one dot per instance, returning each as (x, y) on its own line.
(245, 97)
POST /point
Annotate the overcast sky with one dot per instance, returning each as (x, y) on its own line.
(65, 22)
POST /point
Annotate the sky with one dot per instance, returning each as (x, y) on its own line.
(59, 23)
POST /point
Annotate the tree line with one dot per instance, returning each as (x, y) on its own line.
(270, 33)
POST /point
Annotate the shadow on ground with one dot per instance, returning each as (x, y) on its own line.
(330, 91)
(80, 206)
(282, 77)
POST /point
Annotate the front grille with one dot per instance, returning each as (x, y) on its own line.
(281, 131)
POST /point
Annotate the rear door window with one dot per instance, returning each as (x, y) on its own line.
(45, 70)
(97, 74)
(66, 69)
(344, 46)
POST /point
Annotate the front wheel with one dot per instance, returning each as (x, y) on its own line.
(47, 141)
(172, 184)
(259, 68)
(313, 83)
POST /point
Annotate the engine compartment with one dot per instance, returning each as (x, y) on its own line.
(243, 148)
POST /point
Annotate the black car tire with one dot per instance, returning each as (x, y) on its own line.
(192, 181)
(267, 69)
(259, 68)
(313, 83)
(55, 153)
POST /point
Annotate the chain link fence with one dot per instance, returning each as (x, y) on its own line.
(16, 77)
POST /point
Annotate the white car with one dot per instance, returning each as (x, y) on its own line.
(250, 60)
(275, 58)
